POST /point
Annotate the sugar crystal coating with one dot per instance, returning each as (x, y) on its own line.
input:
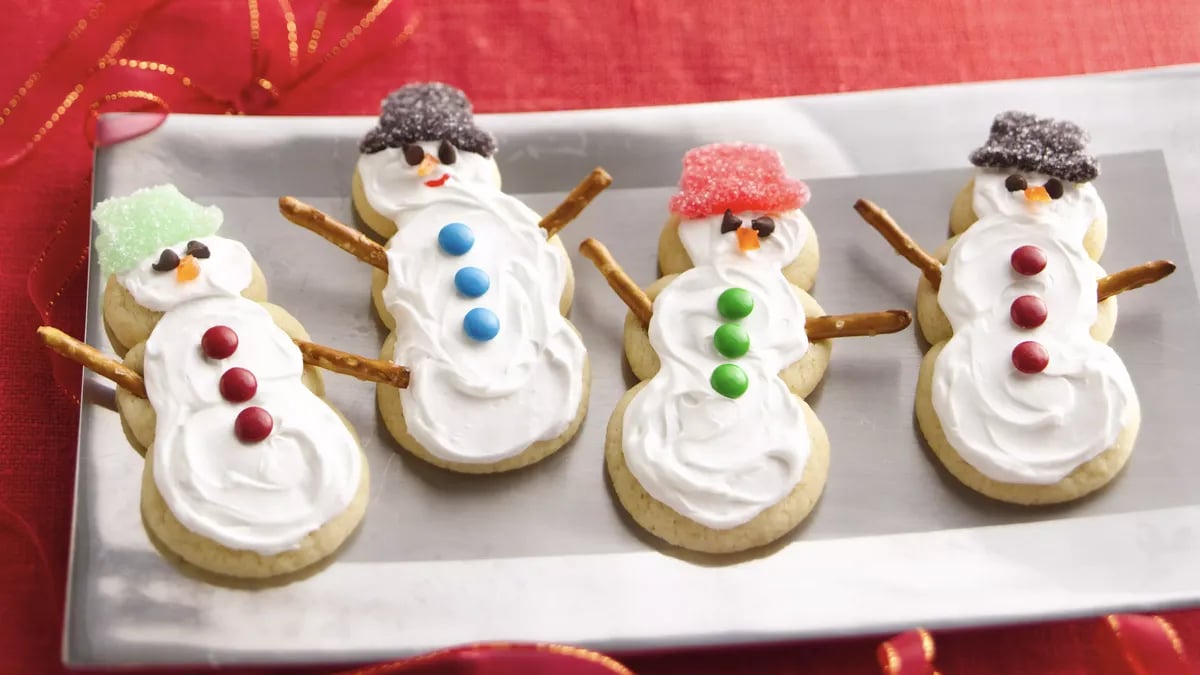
(1040, 144)
(736, 176)
(427, 112)
(140, 225)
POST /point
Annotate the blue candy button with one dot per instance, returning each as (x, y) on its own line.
(456, 239)
(481, 324)
(471, 281)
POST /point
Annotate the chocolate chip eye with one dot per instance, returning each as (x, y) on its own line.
(1054, 188)
(1015, 182)
(413, 154)
(730, 222)
(764, 226)
(167, 261)
(197, 250)
(446, 153)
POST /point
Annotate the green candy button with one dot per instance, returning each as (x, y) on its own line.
(731, 340)
(735, 303)
(729, 380)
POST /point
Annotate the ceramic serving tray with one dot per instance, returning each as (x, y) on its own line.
(545, 553)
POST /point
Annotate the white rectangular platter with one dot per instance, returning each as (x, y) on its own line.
(545, 554)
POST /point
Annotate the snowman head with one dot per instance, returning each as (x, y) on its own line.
(736, 205)
(426, 139)
(160, 246)
(1035, 166)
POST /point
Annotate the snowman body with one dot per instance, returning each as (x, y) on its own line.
(1023, 392)
(264, 496)
(716, 458)
(480, 392)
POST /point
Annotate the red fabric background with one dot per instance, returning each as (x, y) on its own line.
(512, 56)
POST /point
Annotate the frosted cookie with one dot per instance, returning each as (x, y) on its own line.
(716, 450)
(1020, 398)
(249, 472)
(1035, 166)
(474, 285)
(679, 247)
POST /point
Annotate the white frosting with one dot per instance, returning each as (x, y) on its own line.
(1014, 427)
(468, 401)
(394, 189)
(978, 279)
(719, 461)
(1075, 211)
(263, 497)
(227, 271)
(704, 242)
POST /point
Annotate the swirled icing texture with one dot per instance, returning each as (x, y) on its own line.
(719, 461)
(1014, 427)
(475, 402)
(263, 497)
(1072, 214)
(227, 271)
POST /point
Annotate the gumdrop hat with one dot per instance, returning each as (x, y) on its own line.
(737, 177)
(1024, 141)
(427, 112)
(140, 225)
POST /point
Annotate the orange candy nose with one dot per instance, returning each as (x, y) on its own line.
(747, 239)
(187, 270)
(1037, 194)
(427, 166)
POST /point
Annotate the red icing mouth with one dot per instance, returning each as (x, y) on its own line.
(438, 182)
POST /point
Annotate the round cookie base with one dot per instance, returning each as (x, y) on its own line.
(213, 557)
(391, 409)
(801, 377)
(962, 216)
(126, 323)
(1085, 479)
(665, 523)
(137, 415)
(673, 258)
(379, 280)
(935, 326)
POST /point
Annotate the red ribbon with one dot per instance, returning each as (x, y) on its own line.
(1127, 644)
(503, 659)
(87, 73)
(910, 653)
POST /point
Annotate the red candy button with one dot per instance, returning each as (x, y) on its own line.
(253, 425)
(1028, 311)
(219, 342)
(1029, 260)
(238, 385)
(1030, 357)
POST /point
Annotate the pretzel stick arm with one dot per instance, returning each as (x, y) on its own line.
(89, 357)
(900, 241)
(345, 363)
(1133, 277)
(856, 325)
(629, 292)
(343, 236)
(576, 201)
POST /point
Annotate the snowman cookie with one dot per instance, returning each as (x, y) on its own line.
(1019, 396)
(249, 472)
(716, 450)
(472, 285)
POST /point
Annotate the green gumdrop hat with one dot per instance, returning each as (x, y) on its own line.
(140, 225)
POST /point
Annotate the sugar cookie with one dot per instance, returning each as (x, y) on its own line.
(1020, 397)
(716, 450)
(473, 286)
(248, 472)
